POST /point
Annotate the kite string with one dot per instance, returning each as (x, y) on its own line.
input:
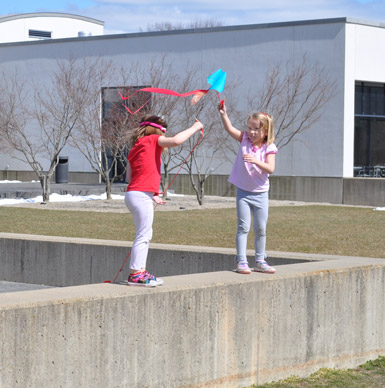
(185, 161)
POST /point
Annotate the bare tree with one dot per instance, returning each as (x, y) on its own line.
(180, 114)
(161, 72)
(178, 120)
(169, 26)
(106, 126)
(217, 144)
(102, 135)
(295, 96)
(203, 160)
(36, 121)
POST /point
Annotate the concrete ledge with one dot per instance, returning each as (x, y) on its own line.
(217, 329)
(62, 261)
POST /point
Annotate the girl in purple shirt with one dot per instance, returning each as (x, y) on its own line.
(253, 164)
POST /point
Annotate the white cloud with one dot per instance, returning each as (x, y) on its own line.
(121, 16)
(135, 15)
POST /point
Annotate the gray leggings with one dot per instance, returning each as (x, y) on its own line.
(258, 204)
(140, 204)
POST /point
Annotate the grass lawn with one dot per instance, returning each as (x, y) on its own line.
(338, 230)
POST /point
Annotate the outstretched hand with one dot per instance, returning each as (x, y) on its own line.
(198, 125)
(158, 200)
(222, 107)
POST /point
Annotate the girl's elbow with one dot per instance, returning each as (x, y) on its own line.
(177, 142)
(174, 143)
(270, 169)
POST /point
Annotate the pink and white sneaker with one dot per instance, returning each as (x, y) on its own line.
(144, 279)
(262, 266)
(243, 268)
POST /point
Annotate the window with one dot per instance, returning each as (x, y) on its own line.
(369, 132)
(40, 34)
(116, 124)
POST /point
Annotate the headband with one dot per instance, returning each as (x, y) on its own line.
(144, 123)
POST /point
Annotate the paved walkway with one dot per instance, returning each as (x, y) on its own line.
(17, 287)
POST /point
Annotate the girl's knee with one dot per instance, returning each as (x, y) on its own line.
(261, 232)
(243, 228)
(144, 238)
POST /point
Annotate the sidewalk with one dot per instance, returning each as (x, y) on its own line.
(6, 287)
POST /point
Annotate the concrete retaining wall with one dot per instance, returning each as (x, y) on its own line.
(308, 189)
(366, 191)
(337, 190)
(61, 261)
(216, 329)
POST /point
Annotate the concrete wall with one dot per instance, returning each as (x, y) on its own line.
(28, 176)
(308, 189)
(61, 261)
(368, 191)
(347, 191)
(217, 329)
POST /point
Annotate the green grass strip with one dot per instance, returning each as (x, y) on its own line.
(349, 231)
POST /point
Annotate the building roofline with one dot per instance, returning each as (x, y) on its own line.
(345, 20)
(8, 18)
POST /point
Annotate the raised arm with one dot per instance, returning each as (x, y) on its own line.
(181, 137)
(232, 131)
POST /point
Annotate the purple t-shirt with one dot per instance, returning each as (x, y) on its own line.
(248, 176)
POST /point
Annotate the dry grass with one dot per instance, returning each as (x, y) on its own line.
(350, 231)
(368, 375)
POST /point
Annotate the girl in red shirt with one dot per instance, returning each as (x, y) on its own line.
(143, 177)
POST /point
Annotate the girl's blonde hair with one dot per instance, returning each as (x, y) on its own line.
(146, 130)
(267, 122)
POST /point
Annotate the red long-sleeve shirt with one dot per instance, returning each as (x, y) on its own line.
(145, 161)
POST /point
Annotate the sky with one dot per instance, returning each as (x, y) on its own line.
(125, 16)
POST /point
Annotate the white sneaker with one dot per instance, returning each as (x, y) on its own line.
(243, 268)
(262, 266)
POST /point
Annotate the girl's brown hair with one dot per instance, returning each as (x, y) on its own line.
(146, 130)
(267, 122)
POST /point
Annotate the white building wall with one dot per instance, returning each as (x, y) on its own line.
(369, 52)
(318, 150)
(364, 61)
(16, 28)
(349, 94)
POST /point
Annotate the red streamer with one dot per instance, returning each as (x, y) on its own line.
(198, 94)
